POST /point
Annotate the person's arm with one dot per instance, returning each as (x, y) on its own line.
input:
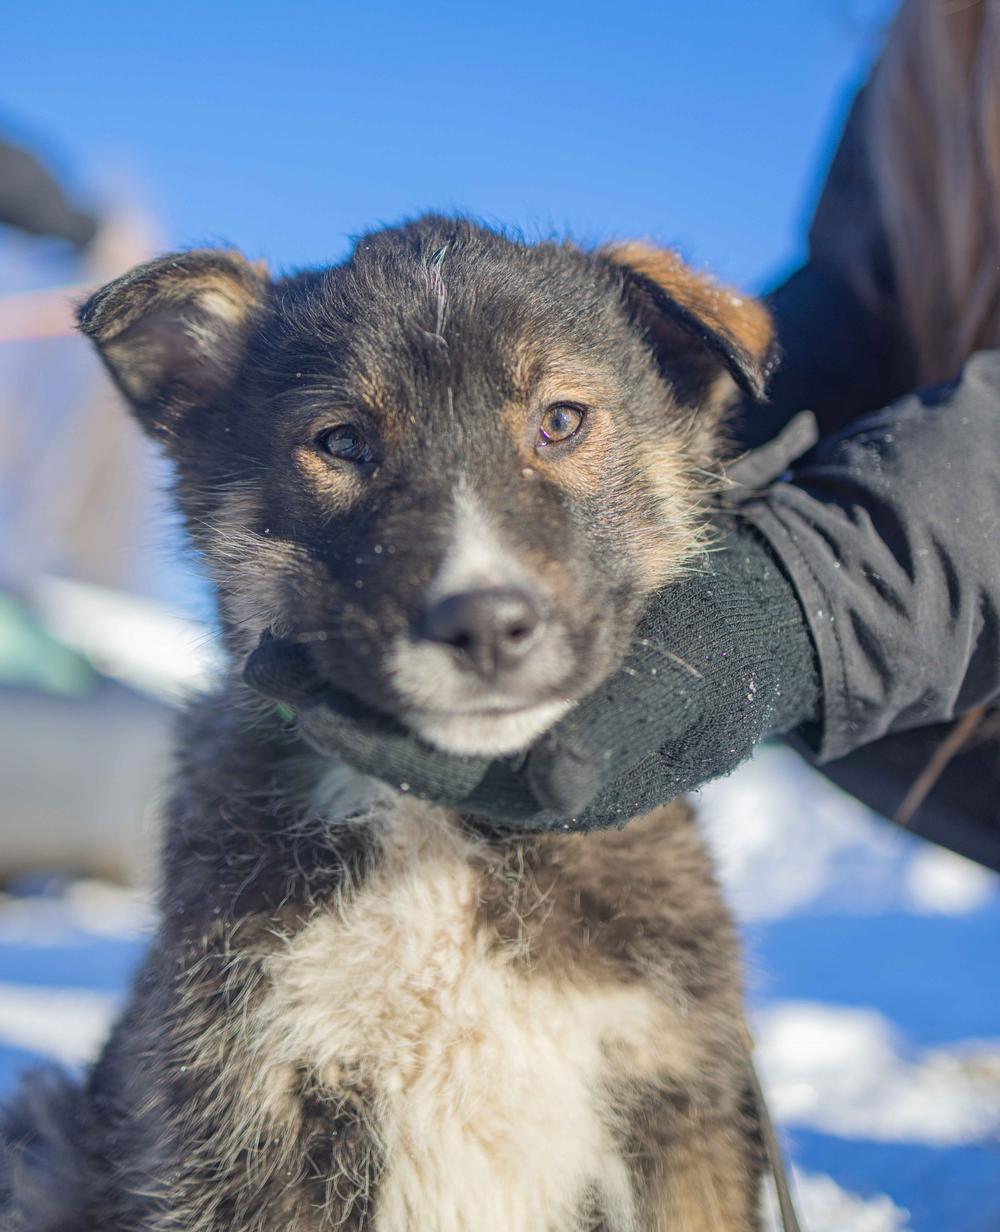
(891, 533)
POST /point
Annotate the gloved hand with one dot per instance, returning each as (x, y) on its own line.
(722, 658)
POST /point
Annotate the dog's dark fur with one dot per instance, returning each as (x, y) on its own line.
(361, 1011)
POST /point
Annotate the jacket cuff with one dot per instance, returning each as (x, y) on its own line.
(830, 737)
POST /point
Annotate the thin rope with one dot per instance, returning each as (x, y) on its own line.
(924, 783)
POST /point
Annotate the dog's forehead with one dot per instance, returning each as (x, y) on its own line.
(405, 323)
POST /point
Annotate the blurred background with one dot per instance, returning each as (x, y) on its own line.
(126, 130)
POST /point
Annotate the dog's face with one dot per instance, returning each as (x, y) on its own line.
(454, 466)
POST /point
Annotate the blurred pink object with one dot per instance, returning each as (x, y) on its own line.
(77, 484)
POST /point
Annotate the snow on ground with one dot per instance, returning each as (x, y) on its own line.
(824, 1207)
(845, 1071)
(872, 979)
(67, 1024)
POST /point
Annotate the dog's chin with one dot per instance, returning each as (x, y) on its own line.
(488, 733)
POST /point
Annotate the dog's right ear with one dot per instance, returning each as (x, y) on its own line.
(708, 341)
(172, 332)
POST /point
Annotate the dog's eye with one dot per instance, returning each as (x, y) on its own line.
(561, 421)
(345, 442)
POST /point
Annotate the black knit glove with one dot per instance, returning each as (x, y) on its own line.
(722, 658)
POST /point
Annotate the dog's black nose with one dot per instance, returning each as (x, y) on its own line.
(493, 629)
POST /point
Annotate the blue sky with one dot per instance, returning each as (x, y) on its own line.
(287, 128)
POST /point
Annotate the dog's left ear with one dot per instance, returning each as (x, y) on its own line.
(172, 332)
(705, 336)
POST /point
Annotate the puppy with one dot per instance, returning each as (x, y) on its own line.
(455, 467)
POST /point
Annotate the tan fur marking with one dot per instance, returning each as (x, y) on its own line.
(228, 295)
(337, 487)
(546, 379)
(741, 317)
(704, 1184)
(239, 506)
(583, 471)
(665, 544)
(250, 567)
(661, 544)
(217, 298)
(603, 900)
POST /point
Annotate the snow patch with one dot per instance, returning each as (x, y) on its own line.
(939, 882)
(96, 908)
(785, 839)
(842, 1071)
(127, 637)
(67, 1025)
(110, 911)
(824, 1207)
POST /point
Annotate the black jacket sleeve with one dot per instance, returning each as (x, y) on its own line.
(891, 535)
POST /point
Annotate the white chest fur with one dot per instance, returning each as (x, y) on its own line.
(489, 1082)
